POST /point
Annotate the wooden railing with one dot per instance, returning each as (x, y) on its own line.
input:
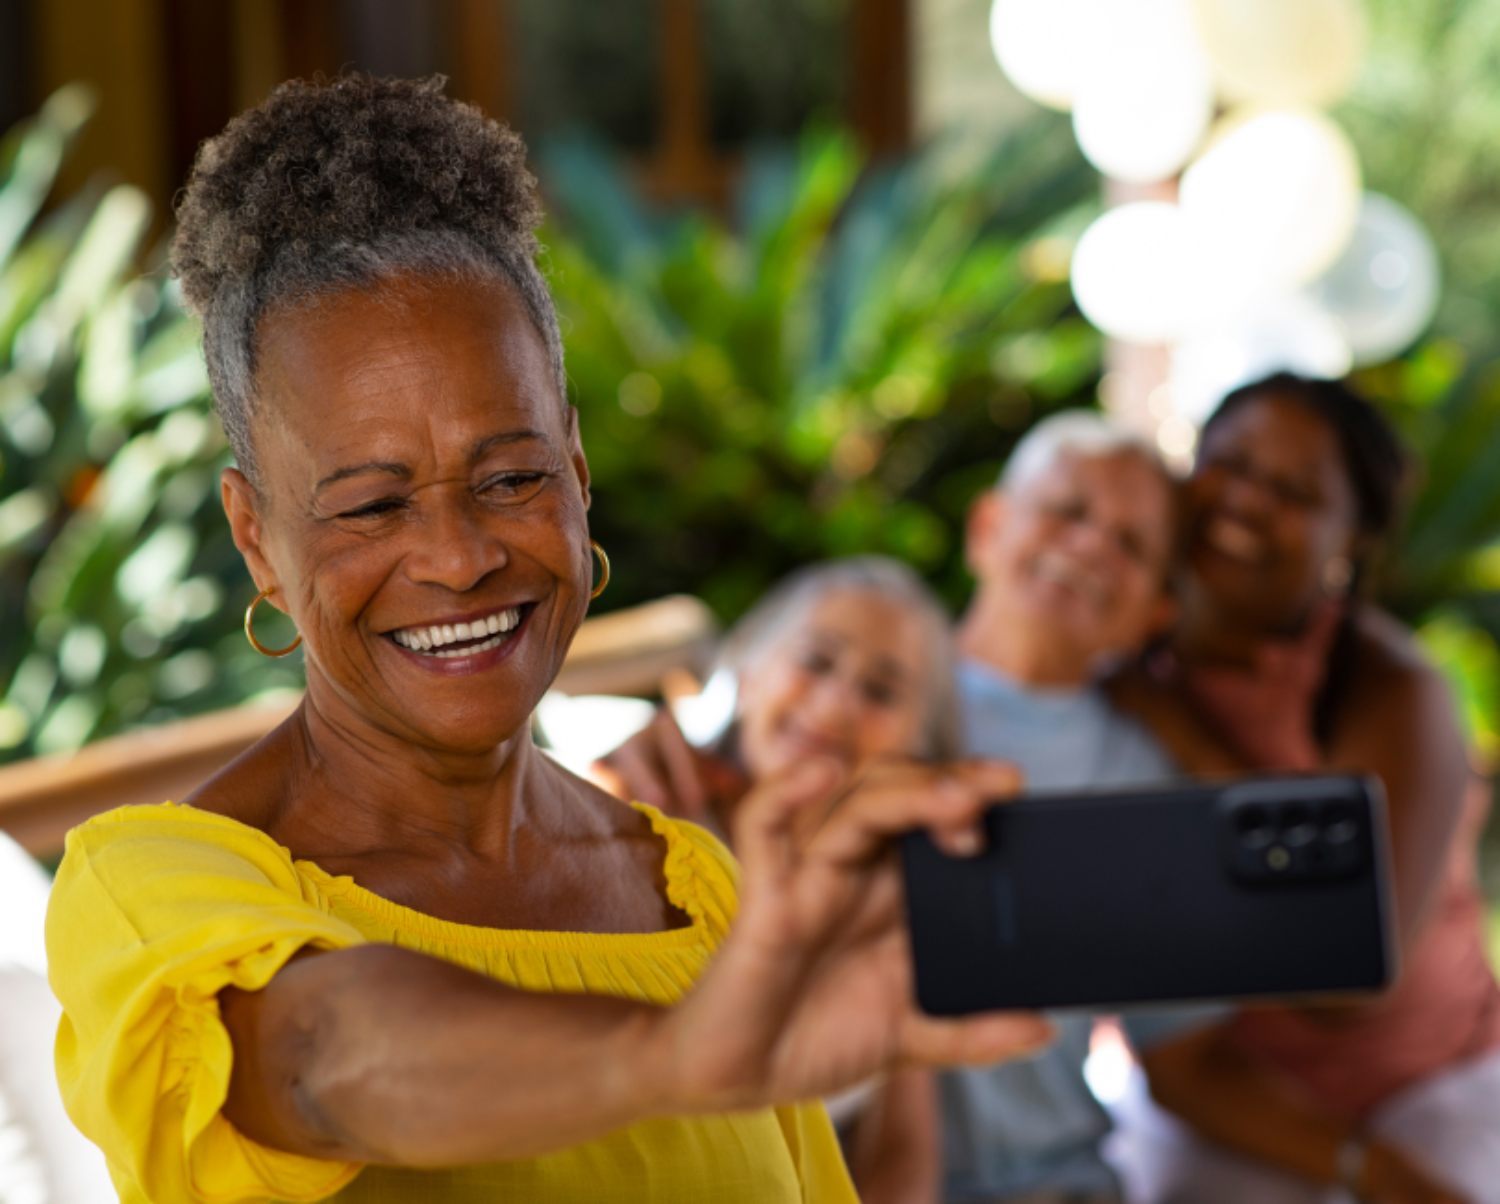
(628, 652)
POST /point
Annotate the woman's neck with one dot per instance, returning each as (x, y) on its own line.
(359, 787)
(1206, 634)
(1012, 645)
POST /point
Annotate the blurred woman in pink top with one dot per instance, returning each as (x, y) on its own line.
(1281, 664)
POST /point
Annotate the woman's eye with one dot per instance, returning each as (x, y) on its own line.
(1293, 494)
(1070, 509)
(375, 509)
(1132, 545)
(817, 662)
(510, 483)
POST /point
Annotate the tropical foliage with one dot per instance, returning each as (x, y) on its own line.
(839, 370)
(838, 365)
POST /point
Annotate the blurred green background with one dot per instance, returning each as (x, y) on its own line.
(813, 346)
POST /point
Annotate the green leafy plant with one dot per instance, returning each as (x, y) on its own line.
(840, 368)
(120, 590)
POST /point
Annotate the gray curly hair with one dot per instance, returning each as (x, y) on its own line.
(325, 187)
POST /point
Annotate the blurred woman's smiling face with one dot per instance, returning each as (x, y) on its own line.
(421, 505)
(1270, 505)
(844, 676)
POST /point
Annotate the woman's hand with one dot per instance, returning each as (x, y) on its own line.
(1391, 1178)
(657, 765)
(812, 989)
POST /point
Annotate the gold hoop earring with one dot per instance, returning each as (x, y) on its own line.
(250, 630)
(603, 569)
(1338, 576)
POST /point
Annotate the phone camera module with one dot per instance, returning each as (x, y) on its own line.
(1255, 826)
(1339, 825)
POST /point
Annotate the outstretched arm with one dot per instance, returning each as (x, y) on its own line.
(382, 1055)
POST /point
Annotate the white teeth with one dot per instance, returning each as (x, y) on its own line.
(432, 639)
(448, 653)
(1234, 540)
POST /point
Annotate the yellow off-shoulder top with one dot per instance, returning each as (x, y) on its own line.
(158, 908)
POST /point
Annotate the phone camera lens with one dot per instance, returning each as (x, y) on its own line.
(1297, 826)
(1255, 827)
(1339, 825)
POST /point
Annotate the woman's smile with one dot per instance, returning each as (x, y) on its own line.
(469, 644)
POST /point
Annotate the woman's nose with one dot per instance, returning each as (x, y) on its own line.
(833, 704)
(455, 548)
(1247, 494)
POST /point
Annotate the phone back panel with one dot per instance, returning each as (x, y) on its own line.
(1261, 887)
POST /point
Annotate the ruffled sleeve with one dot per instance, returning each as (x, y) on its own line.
(154, 912)
(702, 876)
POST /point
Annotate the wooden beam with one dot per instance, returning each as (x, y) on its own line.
(41, 799)
(684, 165)
(484, 67)
(260, 61)
(201, 72)
(880, 76)
(313, 38)
(118, 48)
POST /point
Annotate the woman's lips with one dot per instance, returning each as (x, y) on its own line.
(1056, 572)
(443, 637)
(810, 744)
(452, 656)
(1234, 540)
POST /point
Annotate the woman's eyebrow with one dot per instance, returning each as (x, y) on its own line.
(504, 438)
(396, 469)
(388, 467)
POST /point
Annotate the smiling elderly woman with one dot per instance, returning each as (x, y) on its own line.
(394, 952)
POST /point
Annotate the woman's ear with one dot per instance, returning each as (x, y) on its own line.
(242, 507)
(986, 516)
(579, 460)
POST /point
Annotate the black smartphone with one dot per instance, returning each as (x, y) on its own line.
(1212, 890)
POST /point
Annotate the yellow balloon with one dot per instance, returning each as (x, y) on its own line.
(1283, 52)
(1272, 200)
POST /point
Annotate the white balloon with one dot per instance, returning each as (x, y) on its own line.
(1130, 272)
(1283, 52)
(1288, 333)
(1272, 201)
(1048, 48)
(1145, 107)
(1383, 290)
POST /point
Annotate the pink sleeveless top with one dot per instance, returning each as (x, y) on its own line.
(1444, 1009)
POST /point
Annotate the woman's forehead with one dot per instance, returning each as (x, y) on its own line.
(868, 620)
(1276, 426)
(1122, 476)
(368, 364)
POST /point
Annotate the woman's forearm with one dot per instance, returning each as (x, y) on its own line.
(378, 1054)
(1226, 1098)
(896, 1153)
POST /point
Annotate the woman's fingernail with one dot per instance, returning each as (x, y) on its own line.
(965, 842)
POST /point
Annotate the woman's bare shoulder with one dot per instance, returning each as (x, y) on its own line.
(254, 787)
(1392, 684)
(1387, 654)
